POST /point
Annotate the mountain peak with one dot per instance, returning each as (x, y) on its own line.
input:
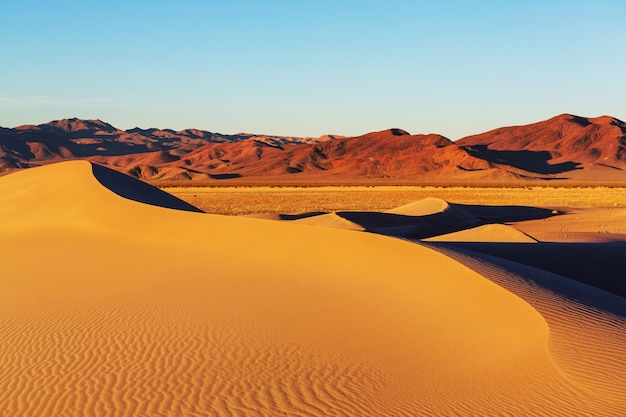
(74, 125)
(398, 132)
(586, 121)
(607, 120)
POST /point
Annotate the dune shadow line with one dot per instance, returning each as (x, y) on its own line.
(591, 273)
(136, 190)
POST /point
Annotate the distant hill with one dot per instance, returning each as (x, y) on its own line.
(564, 147)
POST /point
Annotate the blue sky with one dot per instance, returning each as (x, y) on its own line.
(307, 68)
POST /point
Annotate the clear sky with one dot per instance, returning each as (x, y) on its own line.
(307, 68)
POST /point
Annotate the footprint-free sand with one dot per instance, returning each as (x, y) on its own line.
(119, 300)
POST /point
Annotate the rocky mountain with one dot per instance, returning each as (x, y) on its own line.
(564, 147)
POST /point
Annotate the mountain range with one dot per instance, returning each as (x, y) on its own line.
(565, 147)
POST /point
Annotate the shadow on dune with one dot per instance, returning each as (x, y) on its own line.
(458, 217)
(134, 189)
(599, 265)
(531, 161)
(416, 227)
(299, 216)
(504, 214)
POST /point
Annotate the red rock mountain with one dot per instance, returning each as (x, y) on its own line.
(387, 154)
(564, 147)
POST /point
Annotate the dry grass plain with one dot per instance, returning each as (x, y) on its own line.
(289, 199)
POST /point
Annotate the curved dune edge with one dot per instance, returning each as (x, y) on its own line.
(587, 326)
(131, 189)
(112, 307)
(424, 207)
(332, 220)
(485, 233)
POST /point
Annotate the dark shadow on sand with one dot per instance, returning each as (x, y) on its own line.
(415, 227)
(136, 190)
(591, 273)
(458, 217)
(504, 214)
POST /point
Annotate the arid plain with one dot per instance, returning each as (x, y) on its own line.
(286, 199)
(120, 299)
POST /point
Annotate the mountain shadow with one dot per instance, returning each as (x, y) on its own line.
(532, 161)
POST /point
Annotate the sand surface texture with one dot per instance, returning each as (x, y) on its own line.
(114, 305)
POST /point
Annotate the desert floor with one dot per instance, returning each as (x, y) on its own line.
(121, 300)
(289, 199)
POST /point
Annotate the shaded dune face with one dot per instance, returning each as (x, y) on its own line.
(111, 307)
(587, 325)
(129, 188)
(596, 264)
(431, 218)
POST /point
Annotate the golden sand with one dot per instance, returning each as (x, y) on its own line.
(111, 307)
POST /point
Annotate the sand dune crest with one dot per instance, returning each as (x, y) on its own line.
(422, 207)
(330, 220)
(130, 188)
(485, 233)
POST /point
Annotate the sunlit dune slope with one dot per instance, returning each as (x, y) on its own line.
(423, 207)
(330, 220)
(485, 233)
(112, 307)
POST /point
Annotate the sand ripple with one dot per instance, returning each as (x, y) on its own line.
(111, 307)
(587, 325)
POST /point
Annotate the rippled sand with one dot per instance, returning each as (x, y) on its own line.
(116, 307)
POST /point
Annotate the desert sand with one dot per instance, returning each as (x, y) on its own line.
(120, 300)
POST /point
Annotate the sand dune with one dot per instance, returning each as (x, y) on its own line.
(330, 220)
(485, 233)
(115, 307)
(597, 264)
(579, 225)
(422, 207)
(587, 325)
(420, 219)
(430, 218)
(132, 189)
